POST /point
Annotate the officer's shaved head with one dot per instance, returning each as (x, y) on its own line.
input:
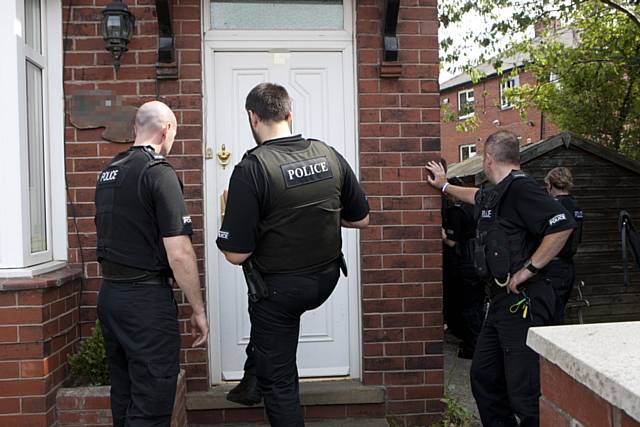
(155, 125)
(153, 116)
(504, 147)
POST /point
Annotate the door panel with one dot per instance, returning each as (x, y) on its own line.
(315, 82)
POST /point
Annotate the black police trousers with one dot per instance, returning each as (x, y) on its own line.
(142, 341)
(505, 377)
(562, 273)
(275, 327)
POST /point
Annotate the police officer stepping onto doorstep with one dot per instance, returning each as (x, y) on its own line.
(287, 200)
(561, 269)
(144, 240)
(520, 229)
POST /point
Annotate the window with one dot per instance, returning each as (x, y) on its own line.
(466, 103)
(504, 85)
(467, 151)
(277, 15)
(33, 218)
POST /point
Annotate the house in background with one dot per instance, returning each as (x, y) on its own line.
(66, 112)
(461, 98)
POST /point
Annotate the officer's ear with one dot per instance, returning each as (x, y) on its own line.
(290, 121)
(253, 118)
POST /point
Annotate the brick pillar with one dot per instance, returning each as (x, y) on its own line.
(88, 66)
(401, 250)
(39, 318)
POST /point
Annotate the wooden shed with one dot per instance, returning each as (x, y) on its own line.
(605, 182)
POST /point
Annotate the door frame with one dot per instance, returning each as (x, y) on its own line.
(276, 41)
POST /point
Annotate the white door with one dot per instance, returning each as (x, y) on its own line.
(315, 82)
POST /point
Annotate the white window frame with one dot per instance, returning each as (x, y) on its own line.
(16, 259)
(509, 83)
(473, 97)
(468, 147)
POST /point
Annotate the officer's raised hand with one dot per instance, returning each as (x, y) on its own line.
(437, 177)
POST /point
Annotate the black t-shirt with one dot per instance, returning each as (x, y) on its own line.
(526, 206)
(164, 192)
(248, 201)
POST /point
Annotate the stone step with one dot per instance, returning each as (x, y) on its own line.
(335, 392)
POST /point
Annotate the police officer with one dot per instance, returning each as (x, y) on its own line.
(287, 199)
(520, 229)
(143, 231)
(463, 293)
(561, 269)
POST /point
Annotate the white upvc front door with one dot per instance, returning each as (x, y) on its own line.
(322, 109)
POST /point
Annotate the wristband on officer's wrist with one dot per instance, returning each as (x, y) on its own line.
(444, 187)
(532, 268)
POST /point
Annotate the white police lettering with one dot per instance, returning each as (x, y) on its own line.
(186, 220)
(486, 213)
(306, 171)
(557, 218)
(223, 235)
(109, 176)
(578, 214)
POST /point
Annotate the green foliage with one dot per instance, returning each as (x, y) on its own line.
(595, 90)
(90, 363)
(454, 415)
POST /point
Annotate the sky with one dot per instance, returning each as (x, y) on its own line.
(457, 32)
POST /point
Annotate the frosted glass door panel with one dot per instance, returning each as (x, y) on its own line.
(277, 15)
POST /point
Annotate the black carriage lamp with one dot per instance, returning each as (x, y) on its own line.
(117, 28)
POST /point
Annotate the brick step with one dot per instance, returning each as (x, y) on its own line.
(347, 422)
(343, 402)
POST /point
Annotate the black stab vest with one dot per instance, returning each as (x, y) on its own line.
(301, 227)
(126, 225)
(571, 246)
(498, 250)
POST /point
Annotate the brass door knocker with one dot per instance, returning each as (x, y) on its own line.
(224, 156)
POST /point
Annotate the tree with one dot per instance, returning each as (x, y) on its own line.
(592, 88)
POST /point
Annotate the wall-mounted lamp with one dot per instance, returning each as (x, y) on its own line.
(117, 28)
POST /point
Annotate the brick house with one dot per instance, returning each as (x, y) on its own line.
(379, 337)
(484, 100)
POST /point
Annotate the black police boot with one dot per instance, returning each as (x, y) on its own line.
(247, 392)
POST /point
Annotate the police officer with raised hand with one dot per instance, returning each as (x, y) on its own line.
(144, 240)
(561, 269)
(520, 229)
(287, 200)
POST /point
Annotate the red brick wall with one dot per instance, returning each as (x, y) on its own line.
(91, 406)
(401, 250)
(89, 66)
(566, 403)
(487, 109)
(39, 328)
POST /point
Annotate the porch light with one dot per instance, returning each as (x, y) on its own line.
(117, 27)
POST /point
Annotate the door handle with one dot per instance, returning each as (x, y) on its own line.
(224, 156)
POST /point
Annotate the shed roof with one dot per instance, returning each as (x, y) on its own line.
(473, 166)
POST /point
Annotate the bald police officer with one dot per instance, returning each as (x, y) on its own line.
(287, 200)
(144, 240)
(520, 229)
